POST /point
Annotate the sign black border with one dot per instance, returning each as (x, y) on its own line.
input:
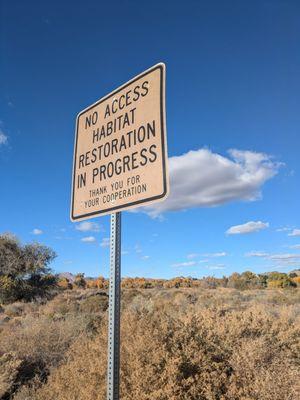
(161, 67)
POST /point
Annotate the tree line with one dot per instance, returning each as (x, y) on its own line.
(243, 281)
(25, 274)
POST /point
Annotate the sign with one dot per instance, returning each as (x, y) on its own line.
(120, 152)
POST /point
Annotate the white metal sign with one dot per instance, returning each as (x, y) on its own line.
(120, 152)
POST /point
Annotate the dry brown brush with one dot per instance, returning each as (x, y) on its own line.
(188, 344)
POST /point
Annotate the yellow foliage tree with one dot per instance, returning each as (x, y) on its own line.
(64, 283)
(296, 280)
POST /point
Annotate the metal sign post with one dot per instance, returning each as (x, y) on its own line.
(113, 377)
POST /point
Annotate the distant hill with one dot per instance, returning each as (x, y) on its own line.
(295, 271)
(67, 275)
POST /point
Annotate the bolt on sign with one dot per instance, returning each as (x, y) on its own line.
(120, 152)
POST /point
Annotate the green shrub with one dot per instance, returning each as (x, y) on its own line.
(24, 270)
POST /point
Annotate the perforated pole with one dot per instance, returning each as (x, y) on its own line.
(113, 372)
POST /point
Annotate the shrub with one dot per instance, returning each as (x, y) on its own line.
(37, 343)
(213, 352)
(296, 279)
(10, 289)
(24, 270)
(282, 283)
(98, 283)
(64, 283)
(94, 304)
(14, 309)
(79, 281)
(10, 367)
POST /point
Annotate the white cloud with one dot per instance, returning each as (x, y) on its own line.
(185, 264)
(285, 260)
(145, 257)
(295, 232)
(248, 227)
(286, 256)
(3, 138)
(283, 229)
(68, 262)
(105, 242)
(87, 226)
(37, 231)
(295, 246)
(256, 254)
(202, 178)
(220, 254)
(192, 255)
(217, 266)
(88, 239)
(137, 248)
(278, 260)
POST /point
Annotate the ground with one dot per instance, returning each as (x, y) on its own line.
(176, 344)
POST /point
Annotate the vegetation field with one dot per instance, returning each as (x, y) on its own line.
(177, 343)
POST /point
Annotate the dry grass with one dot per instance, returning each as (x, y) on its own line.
(34, 339)
(185, 344)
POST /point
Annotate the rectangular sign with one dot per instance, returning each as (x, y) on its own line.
(120, 152)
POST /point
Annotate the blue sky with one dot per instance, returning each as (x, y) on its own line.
(232, 83)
